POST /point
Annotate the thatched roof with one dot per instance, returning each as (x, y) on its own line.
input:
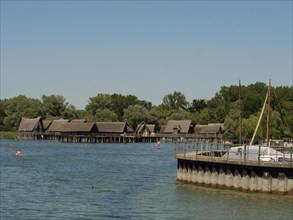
(30, 124)
(218, 124)
(151, 127)
(46, 124)
(114, 127)
(57, 124)
(78, 127)
(209, 129)
(198, 128)
(183, 126)
(78, 121)
(142, 126)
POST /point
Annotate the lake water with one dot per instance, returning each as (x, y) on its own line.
(55, 180)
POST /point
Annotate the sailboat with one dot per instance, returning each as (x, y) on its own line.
(256, 152)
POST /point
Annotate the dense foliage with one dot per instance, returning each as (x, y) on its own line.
(224, 107)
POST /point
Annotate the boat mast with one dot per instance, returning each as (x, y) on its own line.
(259, 119)
(269, 114)
(240, 113)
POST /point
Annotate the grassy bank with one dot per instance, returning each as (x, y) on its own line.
(8, 134)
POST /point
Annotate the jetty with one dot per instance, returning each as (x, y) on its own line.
(210, 165)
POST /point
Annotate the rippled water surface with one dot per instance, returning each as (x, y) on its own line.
(55, 180)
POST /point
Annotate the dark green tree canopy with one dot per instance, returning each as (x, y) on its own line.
(115, 102)
(136, 114)
(197, 105)
(54, 105)
(16, 108)
(175, 100)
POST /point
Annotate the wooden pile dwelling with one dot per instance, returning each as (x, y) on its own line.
(184, 131)
(79, 130)
(31, 128)
(146, 133)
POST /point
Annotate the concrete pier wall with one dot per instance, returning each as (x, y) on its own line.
(238, 177)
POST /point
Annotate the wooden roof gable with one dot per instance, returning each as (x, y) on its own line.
(46, 124)
(57, 124)
(78, 127)
(183, 126)
(142, 126)
(114, 127)
(30, 124)
(198, 128)
(211, 129)
(78, 121)
(151, 127)
(218, 124)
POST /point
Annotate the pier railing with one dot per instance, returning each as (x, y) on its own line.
(214, 153)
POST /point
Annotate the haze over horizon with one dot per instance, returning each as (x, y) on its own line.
(149, 49)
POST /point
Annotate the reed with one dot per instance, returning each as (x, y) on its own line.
(8, 135)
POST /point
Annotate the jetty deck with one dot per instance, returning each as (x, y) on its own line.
(200, 156)
(209, 168)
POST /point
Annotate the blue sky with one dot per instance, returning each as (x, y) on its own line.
(145, 48)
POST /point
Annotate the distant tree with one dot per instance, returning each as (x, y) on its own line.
(283, 93)
(159, 115)
(136, 114)
(87, 116)
(11, 122)
(277, 128)
(230, 132)
(120, 103)
(253, 97)
(176, 101)
(179, 115)
(2, 115)
(218, 114)
(100, 101)
(249, 126)
(18, 107)
(218, 109)
(193, 116)
(229, 94)
(146, 104)
(287, 118)
(70, 112)
(204, 117)
(197, 105)
(232, 123)
(106, 115)
(54, 105)
(114, 102)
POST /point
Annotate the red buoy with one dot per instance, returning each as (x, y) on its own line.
(18, 153)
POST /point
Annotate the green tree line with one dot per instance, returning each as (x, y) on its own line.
(224, 107)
